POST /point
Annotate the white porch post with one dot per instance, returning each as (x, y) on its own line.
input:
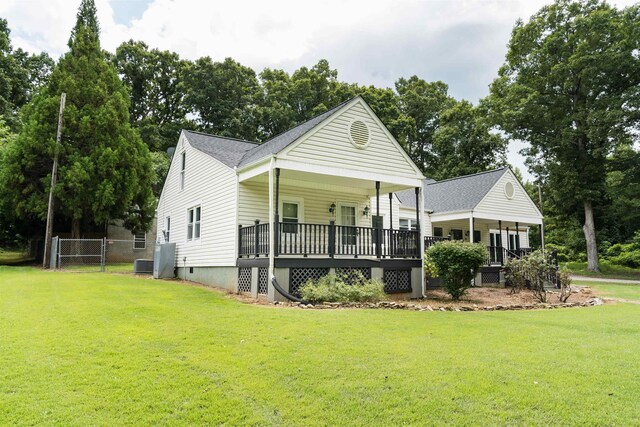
(272, 219)
(423, 225)
(471, 227)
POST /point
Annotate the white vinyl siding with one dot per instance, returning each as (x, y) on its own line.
(330, 146)
(497, 203)
(254, 203)
(411, 213)
(211, 185)
(384, 210)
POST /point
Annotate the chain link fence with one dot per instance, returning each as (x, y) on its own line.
(97, 255)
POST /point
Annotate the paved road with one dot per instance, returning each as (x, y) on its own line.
(605, 279)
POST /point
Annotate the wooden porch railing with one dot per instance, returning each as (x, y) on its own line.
(329, 240)
(431, 240)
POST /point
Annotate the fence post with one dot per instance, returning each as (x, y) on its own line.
(103, 253)
(332, 238)
(257, 237)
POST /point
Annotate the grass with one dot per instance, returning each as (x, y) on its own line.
(623, 291)
(11, 257)
(100, 349)
(607, 270)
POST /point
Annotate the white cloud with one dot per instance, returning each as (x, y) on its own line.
(370, 42)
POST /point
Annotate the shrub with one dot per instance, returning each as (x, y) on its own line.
(455, 263)
(351, 287)
(564, 279)
(533, 271)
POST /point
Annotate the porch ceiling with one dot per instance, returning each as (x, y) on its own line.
(322, 181)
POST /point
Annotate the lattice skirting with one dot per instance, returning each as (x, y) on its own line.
(263, 280)
(299, 276)
(490, 277)
(244, 279)
(348, 271)
(397, 281)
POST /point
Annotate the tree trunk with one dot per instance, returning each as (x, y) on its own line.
(589, 230)
(75, 229)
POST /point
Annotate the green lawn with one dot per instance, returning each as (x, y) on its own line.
(616, 290)
(100, 349)
(607, 270)
(11, 256)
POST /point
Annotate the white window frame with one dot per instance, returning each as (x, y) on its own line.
(137, 240)
(339, 213)
(413, 224)
(167, 223)
(295, 201)
(193, 238)
(183, 167)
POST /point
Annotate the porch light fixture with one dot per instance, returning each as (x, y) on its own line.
(365, 212)
(332, 208)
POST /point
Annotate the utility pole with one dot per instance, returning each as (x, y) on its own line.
(54, 178)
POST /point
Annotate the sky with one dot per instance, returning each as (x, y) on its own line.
(461, 42)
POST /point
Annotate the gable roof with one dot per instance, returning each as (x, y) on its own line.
(455, 194)
(237, 153)
(229, 151)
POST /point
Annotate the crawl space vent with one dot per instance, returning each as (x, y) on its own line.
(359, 134)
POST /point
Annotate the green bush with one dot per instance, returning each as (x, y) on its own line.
(534, 272)
(456, 264)
(351, 287)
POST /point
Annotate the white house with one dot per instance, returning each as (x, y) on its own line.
(295, 207)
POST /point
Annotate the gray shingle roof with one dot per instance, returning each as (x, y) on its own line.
(456, 194)
(227, 150)
(236, 152)
(282, 141)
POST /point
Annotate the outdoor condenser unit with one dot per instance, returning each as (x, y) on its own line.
(143, 266)
(164, 261)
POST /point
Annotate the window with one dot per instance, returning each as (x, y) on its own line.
(167, 233)
(456, 234)
(477, 236)
(140, 241)
(290, 216)
(184, 164)
(348, 219)
(408, 224)
(437, 231)
(193, 223)
(514, 241)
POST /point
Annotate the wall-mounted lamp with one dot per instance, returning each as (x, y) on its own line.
(365, 212)
(332, 209)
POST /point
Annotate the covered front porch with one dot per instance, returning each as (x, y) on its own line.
(504, 237)
(298, 224)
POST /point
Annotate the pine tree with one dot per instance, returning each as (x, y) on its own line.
(105, 169)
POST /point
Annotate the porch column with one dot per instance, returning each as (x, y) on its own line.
(508, 240)
(390, 211)
(471, 225)
(418, 207)
(421, 232)
(272, 233)
(377, 230)
(276, 218)
(499, 243)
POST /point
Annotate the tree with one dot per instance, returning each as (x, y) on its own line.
(422, 103)
(155, 80)
(223, 97)
(21, 75)
(569, 87)
(463, 143)
(105, 170)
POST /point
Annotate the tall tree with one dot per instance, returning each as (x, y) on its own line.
(464, 144)
(21, 75)
(569, 87)
(105, 169)
(223, 97)
(155, 80)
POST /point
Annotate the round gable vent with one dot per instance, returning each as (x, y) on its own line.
(509, 191)
(359, 134)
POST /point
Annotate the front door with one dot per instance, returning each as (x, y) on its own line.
(348, 220)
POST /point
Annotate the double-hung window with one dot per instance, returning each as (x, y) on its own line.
(140, 241)
(193, 223)
(167, 233)
(290, 216)
(408, 224)
(182, 169)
